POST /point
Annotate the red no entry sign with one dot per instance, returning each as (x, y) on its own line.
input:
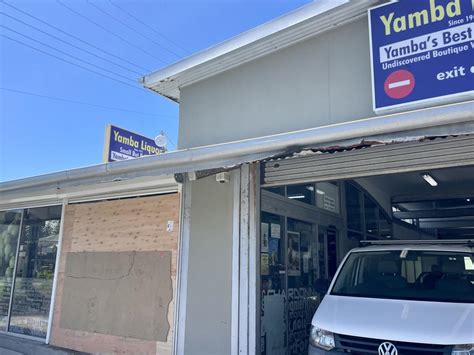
(399, 84)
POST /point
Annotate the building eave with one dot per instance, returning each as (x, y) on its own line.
(291, 28)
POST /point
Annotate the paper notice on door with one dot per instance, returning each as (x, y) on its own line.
(329, 203)
(275, 231)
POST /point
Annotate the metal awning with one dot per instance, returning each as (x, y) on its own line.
(455, 119)
(381, 158)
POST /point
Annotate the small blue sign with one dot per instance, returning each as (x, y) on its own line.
(121, 144)
(422, 51)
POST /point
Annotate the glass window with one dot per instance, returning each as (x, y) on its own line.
(35, 270)
(9, 231)
(354, 209)
(414, 275)
(327, 196)
(272, 251)
(301, 193)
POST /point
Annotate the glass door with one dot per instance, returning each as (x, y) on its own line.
(331, 244)
(290, 264)
(322, 253)
(273, 289)
(327, 252)
(302, 266)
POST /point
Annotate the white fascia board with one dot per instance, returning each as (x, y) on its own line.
(284, 31)
(245, 38)
(55, 192)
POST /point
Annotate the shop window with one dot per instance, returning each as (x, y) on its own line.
(301, 247)
(28, 246)
(354, 208)
(301, 193)
(327, 196)
(9, 231)
(271, 252)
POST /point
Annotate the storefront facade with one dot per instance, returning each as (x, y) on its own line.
(283, 166)
(320, 170)
(90, 264)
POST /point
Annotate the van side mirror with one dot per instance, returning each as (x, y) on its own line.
(321, 286)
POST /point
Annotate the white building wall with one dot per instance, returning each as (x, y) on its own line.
(321, 81)
(209, 281)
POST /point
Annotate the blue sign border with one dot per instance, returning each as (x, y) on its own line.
(431, 101)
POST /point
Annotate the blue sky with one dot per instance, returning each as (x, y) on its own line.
(40, 135)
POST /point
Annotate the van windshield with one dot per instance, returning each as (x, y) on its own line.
(408, 274)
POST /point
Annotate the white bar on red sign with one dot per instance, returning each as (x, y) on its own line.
(398, 84)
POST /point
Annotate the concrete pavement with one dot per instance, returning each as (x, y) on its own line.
(12, 345)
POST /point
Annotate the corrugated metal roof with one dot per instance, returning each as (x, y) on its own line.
(401, 153)
(296, 26)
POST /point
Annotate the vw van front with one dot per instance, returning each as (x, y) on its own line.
(397, 299)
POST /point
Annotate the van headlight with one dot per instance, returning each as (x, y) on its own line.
(321, 338)
(467, 349)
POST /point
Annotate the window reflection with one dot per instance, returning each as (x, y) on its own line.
(9, 230)
(35, 271)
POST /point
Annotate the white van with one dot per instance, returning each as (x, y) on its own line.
(396, 299)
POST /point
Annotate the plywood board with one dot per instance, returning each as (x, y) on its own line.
(127, 225)
(118, 293)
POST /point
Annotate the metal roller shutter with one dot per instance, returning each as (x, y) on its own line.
(376, 160)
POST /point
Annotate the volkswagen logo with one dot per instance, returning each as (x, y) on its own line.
(387, 349)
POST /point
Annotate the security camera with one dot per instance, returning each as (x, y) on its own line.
(222, 178)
